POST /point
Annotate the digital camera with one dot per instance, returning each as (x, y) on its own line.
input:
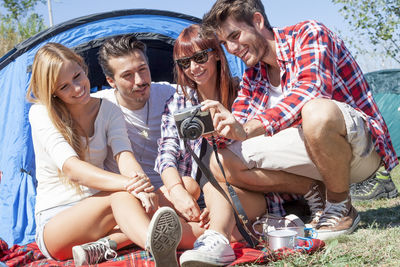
(192, 122)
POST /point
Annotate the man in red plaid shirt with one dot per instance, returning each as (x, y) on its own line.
(304, 120)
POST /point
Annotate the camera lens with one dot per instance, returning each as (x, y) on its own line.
(192, 129)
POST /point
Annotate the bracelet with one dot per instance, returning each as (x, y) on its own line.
(169, 189)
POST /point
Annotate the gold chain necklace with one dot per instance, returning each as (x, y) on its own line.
(143, 132)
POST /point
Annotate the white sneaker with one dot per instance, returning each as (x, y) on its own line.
(210, 249)
(94, 252)
(163, 237)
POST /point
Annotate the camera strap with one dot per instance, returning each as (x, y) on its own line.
(242, 221)
(203, 152)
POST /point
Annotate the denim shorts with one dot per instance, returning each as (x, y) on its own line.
(285, 151)
(42, 218)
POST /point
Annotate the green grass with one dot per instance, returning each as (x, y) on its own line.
(375, 242)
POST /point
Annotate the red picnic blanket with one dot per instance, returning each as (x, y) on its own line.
(30, 255)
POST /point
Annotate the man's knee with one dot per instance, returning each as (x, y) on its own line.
(230, 163)
(321, 117)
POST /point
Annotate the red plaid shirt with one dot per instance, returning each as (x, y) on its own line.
(314, 63)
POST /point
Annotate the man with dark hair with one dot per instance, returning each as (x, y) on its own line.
(142, 102)
(125, 64)
(304, 119)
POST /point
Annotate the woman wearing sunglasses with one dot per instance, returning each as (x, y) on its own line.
(202, 73)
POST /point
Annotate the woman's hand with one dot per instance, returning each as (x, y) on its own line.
(140, 186)
(205, 219)
(184, 204)
(139, 182)
(149, 201)
(224, 122)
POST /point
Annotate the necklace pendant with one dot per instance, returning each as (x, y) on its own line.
(145, 134)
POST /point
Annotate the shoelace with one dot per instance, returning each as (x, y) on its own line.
(333, 213)
(314, 201)
(97, 250)
(207, 242)
(365, 186)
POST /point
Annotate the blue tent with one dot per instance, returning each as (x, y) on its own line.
(158, 29)
(385, 86)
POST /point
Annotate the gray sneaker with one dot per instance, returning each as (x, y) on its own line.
(94, 252)
(315, 199)
(163, 237)
(380, 185)
(338, 219)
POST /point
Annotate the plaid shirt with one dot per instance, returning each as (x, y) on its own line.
(172, 152)
(171, 149)
(314, 63)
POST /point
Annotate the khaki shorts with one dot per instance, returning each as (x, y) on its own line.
(285, 151)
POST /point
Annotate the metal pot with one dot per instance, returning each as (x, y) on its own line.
(281, 238)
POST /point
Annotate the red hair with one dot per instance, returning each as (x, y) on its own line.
(185, 45)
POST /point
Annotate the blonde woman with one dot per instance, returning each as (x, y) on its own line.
(82, 210)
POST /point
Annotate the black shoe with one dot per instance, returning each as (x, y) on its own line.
(378, 186)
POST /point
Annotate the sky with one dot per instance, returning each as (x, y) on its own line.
(280, 13)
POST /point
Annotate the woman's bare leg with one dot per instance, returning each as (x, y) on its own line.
(94, 218)
(221, 215)
(190, 230)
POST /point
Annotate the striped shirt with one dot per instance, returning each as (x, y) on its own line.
(314, 63)
(171, 149)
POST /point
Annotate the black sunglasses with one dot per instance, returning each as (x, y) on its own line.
(200, 57)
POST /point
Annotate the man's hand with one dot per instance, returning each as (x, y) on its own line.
(224, 122)
(139, 182)
(140, 186)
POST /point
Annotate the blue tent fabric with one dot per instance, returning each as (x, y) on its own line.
(17, 189)
(17, 163)
(385, 86)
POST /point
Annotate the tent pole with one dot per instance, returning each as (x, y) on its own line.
(50, 12)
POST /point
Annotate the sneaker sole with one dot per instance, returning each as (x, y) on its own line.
(165, 232)
(392, 194)
(324, 235)
(188, 259)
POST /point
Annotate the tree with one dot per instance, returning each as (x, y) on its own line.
(18, 8)
(19, 23)
(375, 20)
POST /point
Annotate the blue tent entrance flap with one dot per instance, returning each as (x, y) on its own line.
(158, 29)
(385, 86)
